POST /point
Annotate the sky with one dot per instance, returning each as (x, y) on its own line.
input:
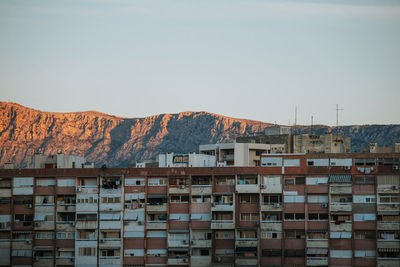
(247, 59)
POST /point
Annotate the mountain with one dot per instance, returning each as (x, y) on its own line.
(116, 141)
(111, 140)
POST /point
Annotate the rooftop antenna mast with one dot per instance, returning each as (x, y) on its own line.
(295, 118)
(337, 115)
(312, 124)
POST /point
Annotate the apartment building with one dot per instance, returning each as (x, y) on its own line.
(293, 210)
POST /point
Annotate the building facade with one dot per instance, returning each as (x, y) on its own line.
(295, 210)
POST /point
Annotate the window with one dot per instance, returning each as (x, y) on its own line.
(135, 181)
(248, 198)
(66, 199)
(365, 180)
(111, 182)
(177, 181)
(87, 234)
(65, 235)
(157, 217)
(316, 234)
(201, 180)
(247, 179)
(44, 200)
(247, 234)
(318, 216)
(294, 198)
(390, 199)
(388, 218)
(87, 251)
(222, 216)
(271, 235)
(45, 182)
(388, 180)
(389, 235)
(364, 199)
(110, 234)
(295, 234)
(110, 253)
(294, 180)
(109, 200)
(272, 199)
(294, 216)
(271, 217)
(201, 199)
(224, 235)
(158, 181)
(316, 180)
(249, 216)
(86, 199)
(223, 199)
(271, 253)
(364, 162)
(364, 235)
(45, 235)
(294, 253)
(179, 199)
(225, 180)
(341, 218)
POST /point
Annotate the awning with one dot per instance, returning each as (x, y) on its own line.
(178, 249)
(178, 231)
(156, 196)
(196, 217)
(340, 178)
(317, 231)
(323, 251)
(245, 249)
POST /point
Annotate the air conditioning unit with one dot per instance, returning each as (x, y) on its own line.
(347, 168)
(185, 260)
(324, 205)
(37, 224)
(213, 204)
(132, 254)
(181, 187)
(395, 167)
(141, 205)
(72, 223)
(192, 242)
(28, 242)
(158, 255)
(140, 223)
(126, 222)
(256, 223)
(78, 189)
(184, 241)
(217, 259)
(236, 191)
(263, 186)
(101, 240)
(395, 205)
(28, 206)
(395, 187)
(277, 205)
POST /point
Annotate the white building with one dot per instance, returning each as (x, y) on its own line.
(40, 161)
(236, 154)
(185, 160)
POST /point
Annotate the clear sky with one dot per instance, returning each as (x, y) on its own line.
(247, 59)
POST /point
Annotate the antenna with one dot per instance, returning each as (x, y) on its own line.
(312, 125)
(337, 115)
(295, 117)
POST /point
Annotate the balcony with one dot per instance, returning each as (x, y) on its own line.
(110, 225)
(246, 261)
(66, 208)
(317, 243)
(388, 189)
(317, 261)
(110, 207)
(246, 242)
(180, 243)
(247, 188)
(179, 190)
(388, 225)
(5, 192)
(178, 261)
(109, 243)
(87, 190)
(201, 243)
(44, 225)
(162, 207)
(226, 224)
(271, 226)
(271, 207)
(271, 189)
(388, 262)
(341, 227)
(219, 206)
(86, 225)
(201, 189)
(65, 261)
(86, 207)
(44, 262)
(200, 261)
(341, 207)
(393, 244)
(388, 207)
(339, 190)
(156, 225)
(110, 261)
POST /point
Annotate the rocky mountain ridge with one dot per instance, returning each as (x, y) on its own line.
(116, 141)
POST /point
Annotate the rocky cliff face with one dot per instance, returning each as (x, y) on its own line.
(115, 141)
(110, 140)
